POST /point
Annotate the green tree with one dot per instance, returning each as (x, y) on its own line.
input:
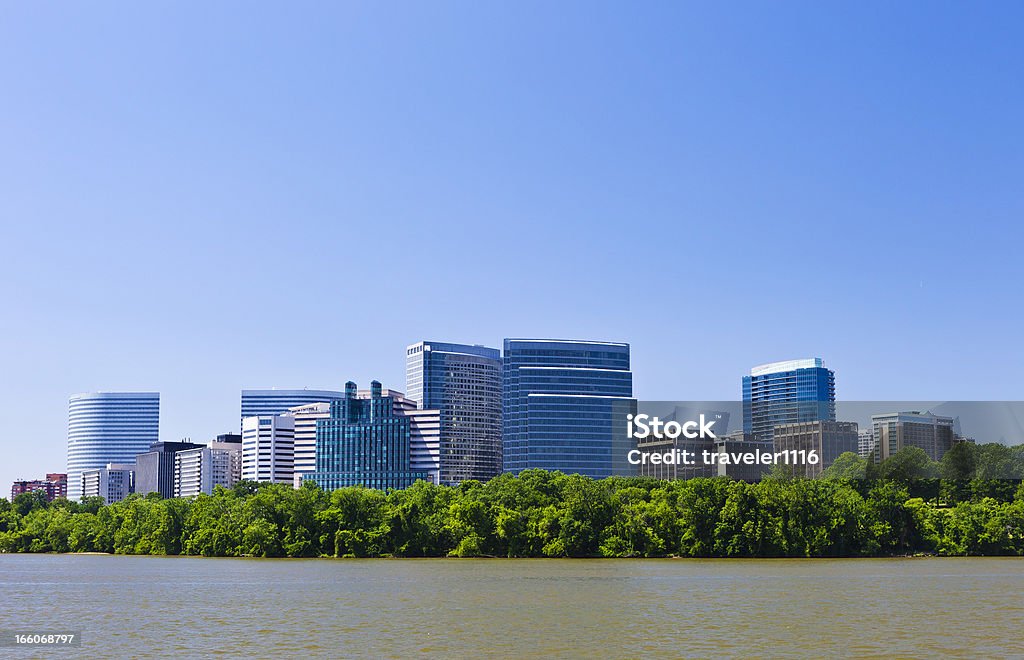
(847, 466)
(908, 464)
(25, 503)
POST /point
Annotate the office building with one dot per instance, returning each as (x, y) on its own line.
(693, 447)
(305, 437)
(828, 439)
(564, 405)
(219, 463)
(113, 482)
(463, 382)
(367, 440)
(154, 469)
(892, 432)
(268, 448)
(55, 486)
(108, 427)
(263, 403)
(787, 392)
(677, 468)
(865, 442)
(739, 443)
(425, 443)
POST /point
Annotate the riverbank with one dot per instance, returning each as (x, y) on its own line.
(541, 514)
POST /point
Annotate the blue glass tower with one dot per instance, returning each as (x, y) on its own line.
(787, 392)
(365, 441)
(464, 383)
(562, 404)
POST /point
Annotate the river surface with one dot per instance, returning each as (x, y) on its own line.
(194, 607)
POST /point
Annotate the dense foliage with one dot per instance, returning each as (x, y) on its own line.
(548, 514)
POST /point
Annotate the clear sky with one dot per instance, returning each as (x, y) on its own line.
(200, 198)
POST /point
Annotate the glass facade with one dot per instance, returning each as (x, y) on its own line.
(788, 392)
(260, 403)
(364, 441)
(464, 383)
(108, 427)
(562, 401)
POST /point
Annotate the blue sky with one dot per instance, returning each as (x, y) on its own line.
(202, 197)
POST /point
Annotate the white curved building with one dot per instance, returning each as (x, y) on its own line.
(108, 427)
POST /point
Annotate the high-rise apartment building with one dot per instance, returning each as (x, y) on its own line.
(262, 403)
(787, 393)
(108, 427)
(113, 482)
(828, 439)
(219, 463)
(865, 442)
(55, 486)
(463, 383)
(892, 432)
(563, 402)
(368, 440)
(305, 437)
(154, 469)
(268, 448)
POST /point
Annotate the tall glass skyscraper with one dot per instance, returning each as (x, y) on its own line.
(260, 403)
(366, 441)
(788, 392)
(108, 427)
(464, 383)
(562, 401)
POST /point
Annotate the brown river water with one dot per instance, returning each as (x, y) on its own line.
(194, 607)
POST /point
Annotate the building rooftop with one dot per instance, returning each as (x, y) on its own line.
(787, 365)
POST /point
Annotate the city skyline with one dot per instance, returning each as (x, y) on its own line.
(262, 400)
(478, 173)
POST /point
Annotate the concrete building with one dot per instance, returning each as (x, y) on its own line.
(113, 483)
(108, 427)
(787, 392)
(828, 439)
(463, 382)
(677, 469)
(154, 469)
(694, 447)
(892, 432)
(55, 485)
(305, 437)
(268, 449)
(425, 443)
(219, 463)
(865, 442)
(740, 443)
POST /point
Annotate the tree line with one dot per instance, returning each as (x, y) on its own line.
(902, 506)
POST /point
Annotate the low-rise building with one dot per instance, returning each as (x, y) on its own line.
(113, 483)
(55, 485)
